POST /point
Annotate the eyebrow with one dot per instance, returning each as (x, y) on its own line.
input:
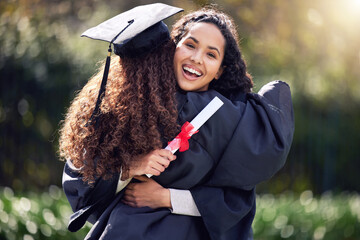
(210, 47)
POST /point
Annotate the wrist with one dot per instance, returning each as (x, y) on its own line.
(165, 196)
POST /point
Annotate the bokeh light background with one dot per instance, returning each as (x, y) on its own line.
(312, 45)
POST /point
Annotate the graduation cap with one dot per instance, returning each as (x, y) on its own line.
(133, 33)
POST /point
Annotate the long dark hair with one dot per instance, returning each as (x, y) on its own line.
(138, 113)
(235, 76)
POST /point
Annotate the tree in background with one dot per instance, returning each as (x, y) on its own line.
(314, 46)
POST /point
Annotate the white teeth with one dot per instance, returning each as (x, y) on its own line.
(192, 71)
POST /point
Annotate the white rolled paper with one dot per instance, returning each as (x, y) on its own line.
(200, 119)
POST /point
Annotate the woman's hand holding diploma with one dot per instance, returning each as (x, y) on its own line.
(153, 163)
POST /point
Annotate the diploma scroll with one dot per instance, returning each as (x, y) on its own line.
(196, 123)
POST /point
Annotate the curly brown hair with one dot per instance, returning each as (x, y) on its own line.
(138, 113)
(235, 76)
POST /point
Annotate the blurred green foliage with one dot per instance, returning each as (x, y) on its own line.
(303, 216)
(312, 45)
(36, 216)
(285, 216)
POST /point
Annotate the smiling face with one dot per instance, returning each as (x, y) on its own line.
(198, 57)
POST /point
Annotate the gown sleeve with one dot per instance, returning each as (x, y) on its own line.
(226, 212)
(261, 140)
(87, 201)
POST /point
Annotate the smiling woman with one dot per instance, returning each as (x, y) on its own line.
(210, 37)
(198, 57)
(207, 61)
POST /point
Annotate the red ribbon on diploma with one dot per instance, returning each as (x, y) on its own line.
(181, 141)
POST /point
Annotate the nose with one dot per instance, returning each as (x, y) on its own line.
(196, 57)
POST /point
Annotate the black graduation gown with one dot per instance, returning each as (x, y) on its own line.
(245, 142)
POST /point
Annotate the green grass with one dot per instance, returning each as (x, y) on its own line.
(285, 216)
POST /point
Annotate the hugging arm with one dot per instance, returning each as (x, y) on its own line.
(261, 140)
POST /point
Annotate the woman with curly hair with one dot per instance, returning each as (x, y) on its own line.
(208, 192)
(138, 113)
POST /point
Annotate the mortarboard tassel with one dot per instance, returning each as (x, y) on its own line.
(94, 116)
